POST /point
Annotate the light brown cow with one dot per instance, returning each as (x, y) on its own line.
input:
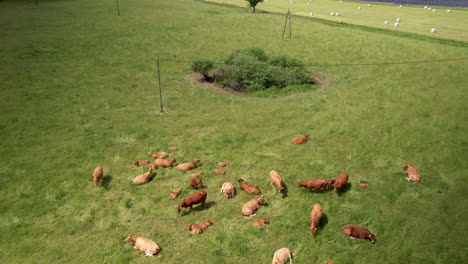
(206, 224)
(223, 164)
(175, 193)
(341, 182)
(196, 175)
(98, 174)
(300, 140)
(188, 166)
(260, 222)
(153, 166)
(139, 163)
(364, 185)
(357, 232)
(164, 163)
(315, 216)
(195, 229)
(191, 200)
(147, 246)
(156, 155)
(282, 256)
(228, 190)
(172, 147)
(219, 171)
(412, 173)
(327, 261)
(250, 207)
(276, 180)
(196, 183)
(144, 178)
(248, 188)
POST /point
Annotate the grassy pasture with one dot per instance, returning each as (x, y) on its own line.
(414, 19)
(78, 89)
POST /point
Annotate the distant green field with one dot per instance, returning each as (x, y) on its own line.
(413, 19)
(79, 89)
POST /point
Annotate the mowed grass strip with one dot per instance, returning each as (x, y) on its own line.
(413, 19)
(73, 101)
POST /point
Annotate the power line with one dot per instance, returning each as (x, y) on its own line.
(341, 64)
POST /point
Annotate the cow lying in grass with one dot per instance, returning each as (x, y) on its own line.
(412, 173)
(282, 256)
(248, 188)
(300, 140)
(188, 166)
(250, 207)
(357, 232)
(228, 190)
(147, 246)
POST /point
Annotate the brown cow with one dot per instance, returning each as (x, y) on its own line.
(156, 155)
(139, 163)
(248, 188)
(153, 166)
(354, 232)
(327, 261)
(175, 193)
(145, 177)
(196, 175)
(149, 247)
(191, 200)
(300, 140)
(276, 180)
(412, 173)
(172, 147)
(318, 184)
(260, 222)
(315, 216)
(164, 163)
(282, 256)
(196, 183)
(195, 229)
(223, 164)
(341, 181)
(206, 224)
(98, 174)
(219, 171)
(228, 190)
(188, 166)
(249, 208)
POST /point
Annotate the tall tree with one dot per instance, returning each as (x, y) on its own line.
(253, 3)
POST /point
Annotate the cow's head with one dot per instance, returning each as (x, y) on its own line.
(371, 237)
(130, 238)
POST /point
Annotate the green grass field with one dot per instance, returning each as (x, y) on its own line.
(79, 89)
(413, 19)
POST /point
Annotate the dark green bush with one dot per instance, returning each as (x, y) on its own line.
(202, 66)
(252, 70)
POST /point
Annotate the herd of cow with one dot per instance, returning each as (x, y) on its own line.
(282, 255)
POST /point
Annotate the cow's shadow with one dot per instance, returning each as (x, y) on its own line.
(197, 208)
(345, 189)
(106, 181)
(285, 190)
